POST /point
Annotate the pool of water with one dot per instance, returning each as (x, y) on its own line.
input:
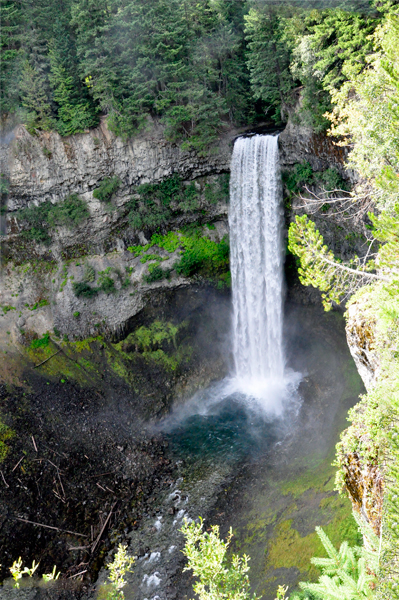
(222, 423)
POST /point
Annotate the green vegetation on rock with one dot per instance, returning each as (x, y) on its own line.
(107, 189)
(39, 220)
(369, 450)
(199, 255)
(157, 203)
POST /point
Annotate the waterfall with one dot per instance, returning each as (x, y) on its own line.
(255, 219)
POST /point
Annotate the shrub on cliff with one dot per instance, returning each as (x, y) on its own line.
(83, 289)
(107, 189)
(38, 220)
(156, 273)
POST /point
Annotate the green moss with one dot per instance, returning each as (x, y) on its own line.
(81, 345)
(288, 548)
(42, 342)
(6, 434)
(316, 474)
(6, 308)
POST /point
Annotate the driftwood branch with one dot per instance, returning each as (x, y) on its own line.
(76, 574)
(5, 482)
(18, 463)
(97, 541)
(44, 361)
(49, 527)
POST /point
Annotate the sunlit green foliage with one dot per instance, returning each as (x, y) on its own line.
(347, 573)
(18, 572)
(320, 268)
(118, 568)
(219, 576)
(199, 254)
(367, 112)
(373, 434)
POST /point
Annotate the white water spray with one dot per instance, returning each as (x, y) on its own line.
(255, 219)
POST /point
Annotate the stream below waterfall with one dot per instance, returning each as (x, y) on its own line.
(269, 478)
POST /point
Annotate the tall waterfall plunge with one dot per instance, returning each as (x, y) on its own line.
(255, 221)
(242, 407)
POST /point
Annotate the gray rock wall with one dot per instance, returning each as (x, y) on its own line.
(48, 168)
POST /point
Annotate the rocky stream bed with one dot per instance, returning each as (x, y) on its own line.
(101, 474)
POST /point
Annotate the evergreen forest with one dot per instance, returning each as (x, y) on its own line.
(197, 66)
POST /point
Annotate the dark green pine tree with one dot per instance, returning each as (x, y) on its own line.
(341, 41)
(35, 99)
(13, 23)
(269, 59)
(76, 110)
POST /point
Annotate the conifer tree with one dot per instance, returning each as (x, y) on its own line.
(269, 59)
(76, 111)
(347, 573)
(34, 99)
(12, 54)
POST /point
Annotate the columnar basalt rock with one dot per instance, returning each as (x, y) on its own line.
(47, 167)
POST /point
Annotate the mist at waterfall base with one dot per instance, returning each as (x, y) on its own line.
(256, 406)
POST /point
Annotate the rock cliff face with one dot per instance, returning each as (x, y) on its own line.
(37, 280)
(299, 144)
(360, 333)
(49, 167)
(363, 476)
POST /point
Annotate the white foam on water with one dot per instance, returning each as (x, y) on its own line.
(154, 556)
(158, 524)
(152, 580)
